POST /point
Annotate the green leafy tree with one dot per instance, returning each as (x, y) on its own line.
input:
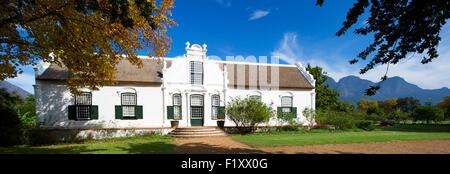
(310, 116)
(248, 113)
(26, 110)
(428, 113)
(399, 28)
(407, 104)
(10, 124)
(445, 105)
(344, 106)
(326, 98)
(367, 105)
(388, 106)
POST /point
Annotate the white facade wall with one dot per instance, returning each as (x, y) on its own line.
(53, 98)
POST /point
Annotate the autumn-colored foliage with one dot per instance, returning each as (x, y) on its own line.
(88, 37)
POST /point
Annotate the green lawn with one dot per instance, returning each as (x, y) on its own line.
(149, 144)
(401, 132)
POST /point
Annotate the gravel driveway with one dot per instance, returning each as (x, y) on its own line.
(226, 145)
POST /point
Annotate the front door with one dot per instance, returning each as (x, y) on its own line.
(197, 110)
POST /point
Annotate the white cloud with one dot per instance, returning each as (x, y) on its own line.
(24, 81)
(258, 14)
(429, 76)
(288, 49)
(225, 3)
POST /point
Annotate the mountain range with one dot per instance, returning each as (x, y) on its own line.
(14, 89)
(351, 89)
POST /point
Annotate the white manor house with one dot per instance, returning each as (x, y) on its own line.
(191, 90)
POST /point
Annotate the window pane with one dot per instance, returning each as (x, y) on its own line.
(196, 100)
(215, 112)
(286, 101)
(286, 110)
(83, 112)
(84, 98)
(196, 70)
(196, 67)
(176, 99)
(197, 79)
(255, 97)
(196, 112)
(128, 111)
(177, 112)
(128, 99)
(215, 100)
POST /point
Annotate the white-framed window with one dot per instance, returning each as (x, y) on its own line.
(215, 103)
(129, 102)
(196, 100)
(196, 69)
(83, 103)
(286, 103)
(255, 97)
(176, 102)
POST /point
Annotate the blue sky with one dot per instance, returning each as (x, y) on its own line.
(296, 31)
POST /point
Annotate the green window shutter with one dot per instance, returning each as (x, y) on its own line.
(170, 112)
(279, 112)
(138, 112)
(294, 111)
(94, 112)
(221, 114)
(119, 113)
(72, 112)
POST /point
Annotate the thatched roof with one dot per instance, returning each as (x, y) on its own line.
(126, 72)
(288, 76)
(244, 75)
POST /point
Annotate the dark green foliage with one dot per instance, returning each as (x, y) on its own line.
(377, 111)
(428, 114)
(407, 104)
(339, 120)
(398, 28)
(26, 110)
(344, 106)
(445, 105)
(387, 123)
(326, 98)
(365, 125)
(11, 132)
(289, 118)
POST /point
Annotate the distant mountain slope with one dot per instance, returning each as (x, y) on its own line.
(351, 89)
(14, 89)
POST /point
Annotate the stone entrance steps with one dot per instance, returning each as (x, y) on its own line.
(190, 132)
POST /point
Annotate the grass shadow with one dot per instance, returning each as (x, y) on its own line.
(149, 148)
(45, 150)
(203, 148)
(418, 128)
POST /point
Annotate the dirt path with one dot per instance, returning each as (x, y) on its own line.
(226, 145)
(212, 145)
